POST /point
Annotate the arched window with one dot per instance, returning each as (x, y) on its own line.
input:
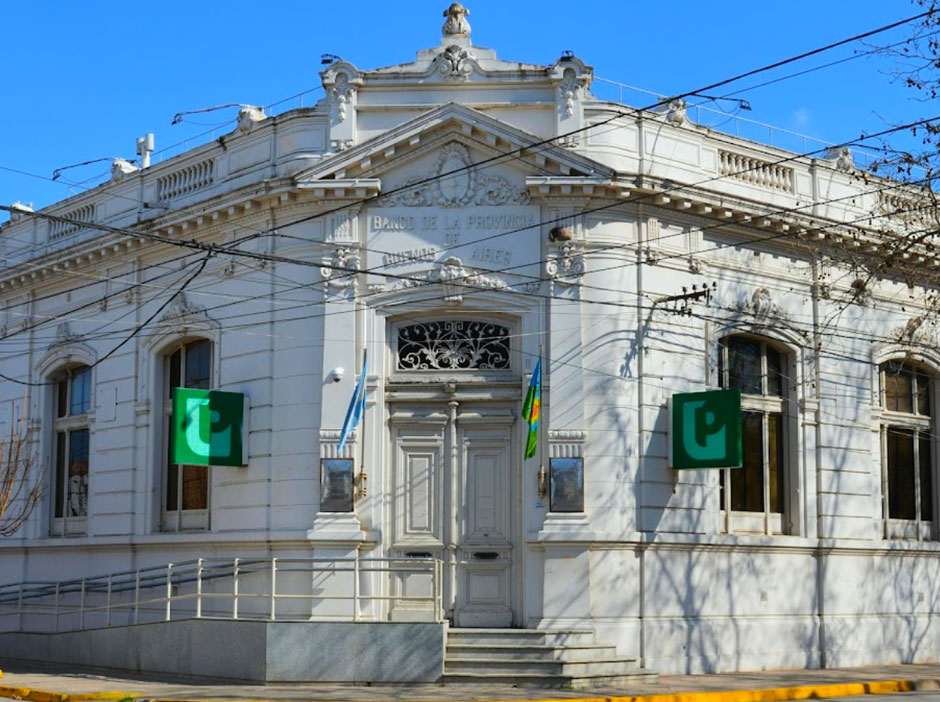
(185, 487)
(907, 448)
(71, 405)
(754, 497)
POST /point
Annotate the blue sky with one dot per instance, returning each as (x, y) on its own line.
(82, 80)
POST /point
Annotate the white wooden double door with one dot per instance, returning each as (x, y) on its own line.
(454, 474)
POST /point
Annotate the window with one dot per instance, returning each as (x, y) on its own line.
(754, 497)
(186, 488)
(908, 484)
(72, 403)
(453, 345)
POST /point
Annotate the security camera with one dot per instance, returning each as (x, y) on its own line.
(337, 374)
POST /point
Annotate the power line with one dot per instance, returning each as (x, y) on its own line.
(193, 244)
(134, 333)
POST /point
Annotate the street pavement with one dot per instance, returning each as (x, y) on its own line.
(58, 679)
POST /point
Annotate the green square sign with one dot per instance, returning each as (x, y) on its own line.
(705, 429)
(209, 428)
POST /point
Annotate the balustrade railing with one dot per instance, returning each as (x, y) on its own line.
(273, 589)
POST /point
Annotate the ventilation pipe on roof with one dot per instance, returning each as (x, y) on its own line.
(144, 149)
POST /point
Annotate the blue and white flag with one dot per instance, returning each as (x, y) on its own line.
(357, 407)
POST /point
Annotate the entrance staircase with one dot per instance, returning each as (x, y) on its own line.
(536, 658)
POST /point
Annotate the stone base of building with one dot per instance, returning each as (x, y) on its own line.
(248, 651)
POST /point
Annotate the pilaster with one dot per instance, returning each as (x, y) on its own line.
(341, 82)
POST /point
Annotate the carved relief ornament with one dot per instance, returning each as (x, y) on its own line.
(457, 279)
(454, 63)
(456, 24)
(566, 264)
(762, 311)
(919, 331)
(463, 187)
(339, 270)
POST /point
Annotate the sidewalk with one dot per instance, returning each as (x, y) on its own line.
(31, 682)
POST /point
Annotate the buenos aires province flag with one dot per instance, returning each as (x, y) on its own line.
(531, 410)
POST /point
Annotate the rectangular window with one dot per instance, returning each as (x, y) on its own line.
(71, 451)
(77, 500)
(186, 489)
(754, 497)
(908, 484)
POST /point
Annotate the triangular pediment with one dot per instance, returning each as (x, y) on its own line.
(489, 139)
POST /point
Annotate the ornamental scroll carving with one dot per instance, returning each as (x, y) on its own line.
(762, 311)
(339, 270)
(453, 345)
(454, 63)
(566, 266)
(464, 187)
(918, 331)
(181, 309)
(64, 336)
(569, 90)
(456, 279)
(342, 93)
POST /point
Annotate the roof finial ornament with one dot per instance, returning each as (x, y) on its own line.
(456, 24)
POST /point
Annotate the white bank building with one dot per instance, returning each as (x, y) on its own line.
(456, 219)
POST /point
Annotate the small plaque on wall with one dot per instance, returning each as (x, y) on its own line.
(336, 485)
(566, 491)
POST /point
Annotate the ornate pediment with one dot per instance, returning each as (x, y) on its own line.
(446, 125)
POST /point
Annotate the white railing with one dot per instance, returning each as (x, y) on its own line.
(755, 171)
(729, 123)
(61, 229)
(274, 589)
(187, 179)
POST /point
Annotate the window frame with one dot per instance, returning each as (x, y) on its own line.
(921, 426)
(767, 521)
(405, 375)
(181, 520)
(66, 425)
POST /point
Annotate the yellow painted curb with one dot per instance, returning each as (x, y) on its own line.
(27, 693)
(778, 694)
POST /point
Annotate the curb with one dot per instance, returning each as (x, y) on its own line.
(776, 694)
(28, 693)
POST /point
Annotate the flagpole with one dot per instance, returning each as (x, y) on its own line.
(362, 452)
(541, 479)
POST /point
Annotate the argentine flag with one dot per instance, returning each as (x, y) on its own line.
(357, 407)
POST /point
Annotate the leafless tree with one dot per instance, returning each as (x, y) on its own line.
(21, 483)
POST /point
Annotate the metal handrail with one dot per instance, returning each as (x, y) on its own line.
(158, 588)
(866, 158)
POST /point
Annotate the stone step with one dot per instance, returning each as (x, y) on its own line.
(551, 668)
(536, 680)
(578, 652)
(520, 636)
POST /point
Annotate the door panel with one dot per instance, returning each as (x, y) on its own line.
(485, 519)
(418, 487)
(417, 508)
(452, 488)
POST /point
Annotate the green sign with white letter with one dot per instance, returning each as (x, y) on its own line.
(210, 428)
(705, 429)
